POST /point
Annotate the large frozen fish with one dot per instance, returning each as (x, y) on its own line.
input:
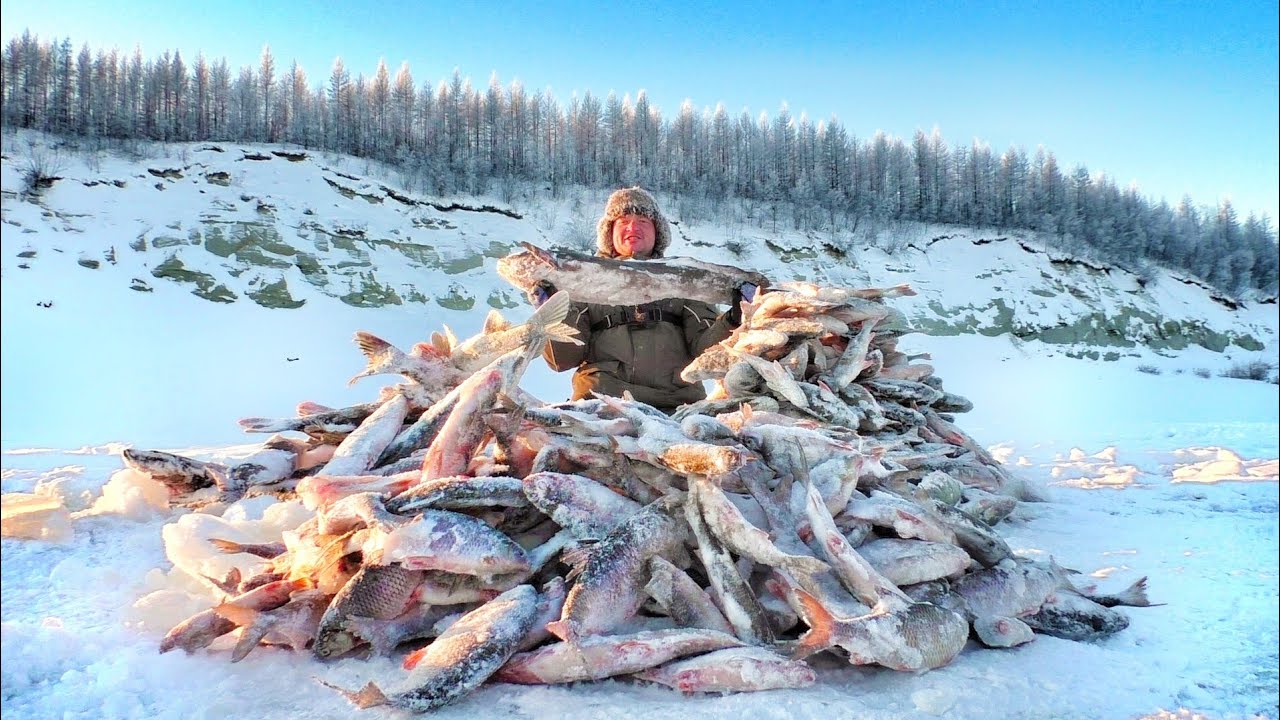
(598, 657)
(462, 658)
(610, 575)
(625, 282)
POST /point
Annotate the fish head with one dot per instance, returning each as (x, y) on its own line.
(332, 642)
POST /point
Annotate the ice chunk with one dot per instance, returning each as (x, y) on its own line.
(36, 517)
(132, 494)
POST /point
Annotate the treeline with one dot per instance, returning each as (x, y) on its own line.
(456, 138)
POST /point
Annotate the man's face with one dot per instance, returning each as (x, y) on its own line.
(633, 236)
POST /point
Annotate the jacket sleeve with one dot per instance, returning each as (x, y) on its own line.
(703, 327)
(563, 356)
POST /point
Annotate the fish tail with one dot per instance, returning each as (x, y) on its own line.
(554, 310)
(229, 583)
(366, 697)
(1133, 596)
(550, 313)
(561, 332)
(379, 354)
(250, 636)
(821, 627)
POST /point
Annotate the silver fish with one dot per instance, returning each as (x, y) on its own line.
(416, 623)
(450, 541)
(610, 575)
(594, 658)
(457, 493)
(746, 669)
(375, 591)
(328, 420)
(1075, 617)
(733, 595)
(359, 450)
(579, 504)
(906, 562)
(682, 598)
(462, 658)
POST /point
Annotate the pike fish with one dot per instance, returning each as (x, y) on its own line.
(625, 282)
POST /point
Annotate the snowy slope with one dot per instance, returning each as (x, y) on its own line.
(1173, 476)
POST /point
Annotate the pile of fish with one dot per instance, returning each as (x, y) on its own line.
(821, 500)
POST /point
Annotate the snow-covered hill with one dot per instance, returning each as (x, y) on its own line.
(260, 231)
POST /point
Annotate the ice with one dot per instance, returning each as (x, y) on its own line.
(37, 517)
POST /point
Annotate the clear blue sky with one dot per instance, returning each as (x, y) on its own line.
(1179, 97)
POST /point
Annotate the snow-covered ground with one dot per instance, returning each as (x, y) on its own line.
(1171, 476)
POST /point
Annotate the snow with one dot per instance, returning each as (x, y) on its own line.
(1170, 476)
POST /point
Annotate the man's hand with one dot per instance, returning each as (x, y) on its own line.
(541, 292)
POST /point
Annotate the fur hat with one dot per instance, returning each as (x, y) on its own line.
(631, 201)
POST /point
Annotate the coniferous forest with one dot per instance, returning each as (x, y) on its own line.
(451, 137)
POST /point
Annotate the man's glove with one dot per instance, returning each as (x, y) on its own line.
(540, 292)
(746, 291)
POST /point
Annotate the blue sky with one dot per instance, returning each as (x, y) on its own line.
(1179, 97)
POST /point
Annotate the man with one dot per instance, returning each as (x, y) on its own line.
(639, 349)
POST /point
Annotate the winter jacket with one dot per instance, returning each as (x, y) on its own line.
(639, 349)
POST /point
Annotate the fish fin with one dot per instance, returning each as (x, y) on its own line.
(494, 322)
(412, 659)
(237, 614)
(366, 697)
(576, 558)
(554, 310)
(541, 255)
(228, 584)
(563, 629)
(560, 332)
(821, 627)
(250, 636)
(307, 407)
(441, 344)
(427, 351)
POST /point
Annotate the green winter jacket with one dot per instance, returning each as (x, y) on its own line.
(639, 349)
